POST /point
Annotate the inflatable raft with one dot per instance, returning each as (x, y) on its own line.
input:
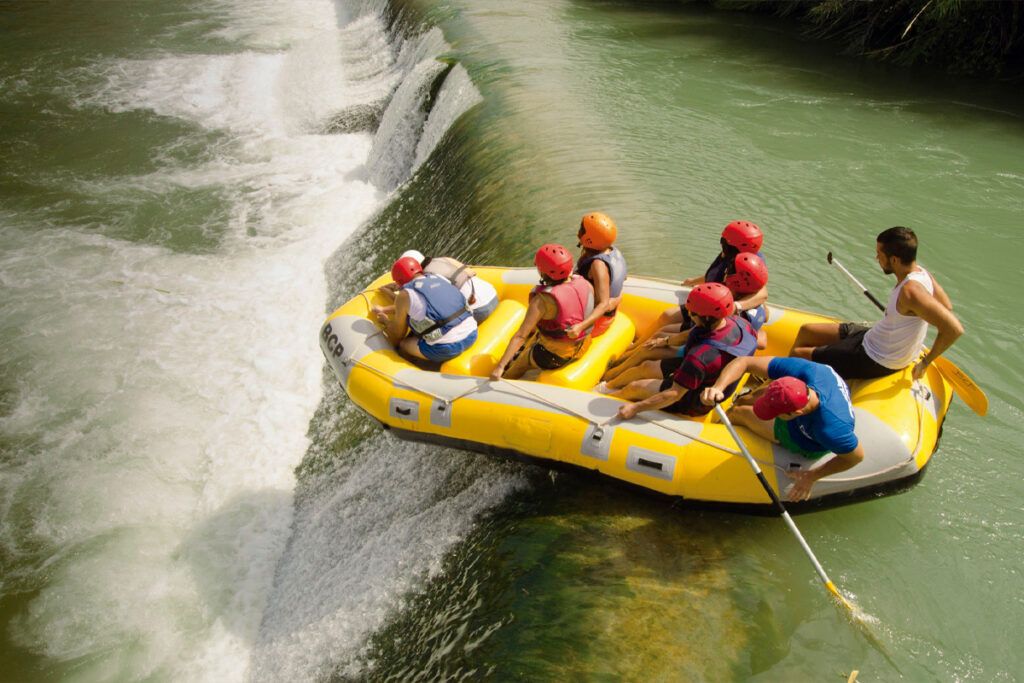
(556, 417)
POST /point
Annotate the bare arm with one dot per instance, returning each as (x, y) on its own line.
(731, 373)
(396, 325)
(916, 300)
(804, 481)
(655, 402)
(754, 300)
(534, 314)
(677, 339)
(941, 295)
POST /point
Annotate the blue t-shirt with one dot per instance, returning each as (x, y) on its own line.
(830, 427)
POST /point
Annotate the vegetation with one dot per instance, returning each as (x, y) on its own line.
(976, 37)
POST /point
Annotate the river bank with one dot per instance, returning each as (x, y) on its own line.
(984, 39)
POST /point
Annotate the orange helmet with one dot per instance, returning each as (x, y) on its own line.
(597, 231)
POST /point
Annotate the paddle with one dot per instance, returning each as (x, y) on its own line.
(782, 511)
(969, 392)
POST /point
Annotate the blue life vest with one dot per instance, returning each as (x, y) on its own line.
(445, 306)
(756, 316)
(616, 263)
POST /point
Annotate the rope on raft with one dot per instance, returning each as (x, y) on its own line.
(603, 423)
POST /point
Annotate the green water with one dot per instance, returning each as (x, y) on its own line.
(676, 121)
(157, 208)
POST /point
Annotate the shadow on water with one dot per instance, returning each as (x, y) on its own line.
(815, 66)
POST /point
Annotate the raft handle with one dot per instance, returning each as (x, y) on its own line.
(404, 409)
(649, 463)
(597, 441)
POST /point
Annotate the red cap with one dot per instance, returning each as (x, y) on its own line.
(784, 395)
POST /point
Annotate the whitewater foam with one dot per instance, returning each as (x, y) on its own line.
(163, 398)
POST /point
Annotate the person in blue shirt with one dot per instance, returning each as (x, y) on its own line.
(806, 409)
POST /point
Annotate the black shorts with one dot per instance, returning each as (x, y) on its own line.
(689, 404)
(847, 356)
(687, 321)
(670, 365)
(545, 360)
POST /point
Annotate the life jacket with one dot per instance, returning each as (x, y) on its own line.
(575, 300)
(446, 307)
(721, 268)
(746, 345)
(756, 316)
(455, 272)
(616, 263)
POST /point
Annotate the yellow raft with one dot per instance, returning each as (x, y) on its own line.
(558, 418)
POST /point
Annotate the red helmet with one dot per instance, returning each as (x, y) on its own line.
(710, 300)
(597, 231)
(744, 236)
(405, 269)
(750, 276)
(554, 262)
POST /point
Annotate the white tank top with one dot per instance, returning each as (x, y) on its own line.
(896, 340)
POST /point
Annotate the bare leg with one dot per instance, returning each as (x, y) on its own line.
(639, 390)
(744, 416)
(520, 364)
(410, 348)
(672, 316)
(813, 335)
(648, 370)
(641, 356)
(638, 345)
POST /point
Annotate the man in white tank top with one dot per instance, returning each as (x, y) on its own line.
(896, 341)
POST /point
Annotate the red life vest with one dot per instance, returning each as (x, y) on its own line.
(575, 300)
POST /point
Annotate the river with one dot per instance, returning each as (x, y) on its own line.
(187, 187)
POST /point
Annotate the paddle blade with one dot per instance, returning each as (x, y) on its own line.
(969, 392)
(839, 596)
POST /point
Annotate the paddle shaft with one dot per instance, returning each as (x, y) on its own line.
(781, 508)
(857, 282)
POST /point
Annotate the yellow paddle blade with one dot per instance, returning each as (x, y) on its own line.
(838, 596)
(969, 392)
